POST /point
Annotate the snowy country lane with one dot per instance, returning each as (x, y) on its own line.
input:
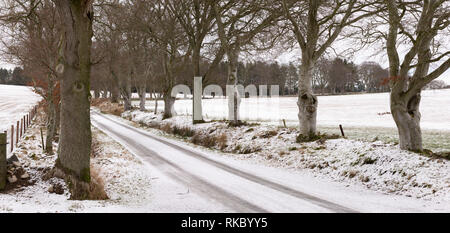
(236, 189)
(244, 187)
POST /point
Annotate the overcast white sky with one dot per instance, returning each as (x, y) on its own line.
(366, 54)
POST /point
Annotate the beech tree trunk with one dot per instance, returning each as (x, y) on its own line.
(51, 119)
(115, 93)
(169, 102)
(57, 118)
(156, 103)
(104, 94)
(126, 95)
(406, 115)
(142, 95)
(234, 100)
(405, 89)
(307, 101)
(169, 81)
(51, 129)
(96, 94)
(75, 140)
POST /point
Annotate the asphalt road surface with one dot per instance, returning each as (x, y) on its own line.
(239, 190)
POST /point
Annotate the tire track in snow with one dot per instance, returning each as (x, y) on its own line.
(181, 175)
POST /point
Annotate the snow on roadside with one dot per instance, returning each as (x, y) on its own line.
(375, 165)
(131, 184)
(127, 180)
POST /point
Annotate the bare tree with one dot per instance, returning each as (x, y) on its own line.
(292, 78)
(321, 75)
(109, 41)
(197, 20)
(372, 76)
(238, 24)
(316, 25)
(172, 48)
(422, 27)
(140, 51)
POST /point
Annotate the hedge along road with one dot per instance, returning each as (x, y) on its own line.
(237, 189)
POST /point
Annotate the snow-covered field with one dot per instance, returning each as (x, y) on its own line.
(368, 110)
(15, 102)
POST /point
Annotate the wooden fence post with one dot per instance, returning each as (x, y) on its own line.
(12, 138)
(2, 161)
(17, 133)
(342, 131)
(21, 127)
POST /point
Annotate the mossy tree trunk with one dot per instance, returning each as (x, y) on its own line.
(75, 139)
(406, 115)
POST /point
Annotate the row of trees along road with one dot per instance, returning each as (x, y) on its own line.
(330, 77)
(151, 46)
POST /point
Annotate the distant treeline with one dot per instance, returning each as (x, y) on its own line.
(334, 76)
(14, 77)
(330, 77)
